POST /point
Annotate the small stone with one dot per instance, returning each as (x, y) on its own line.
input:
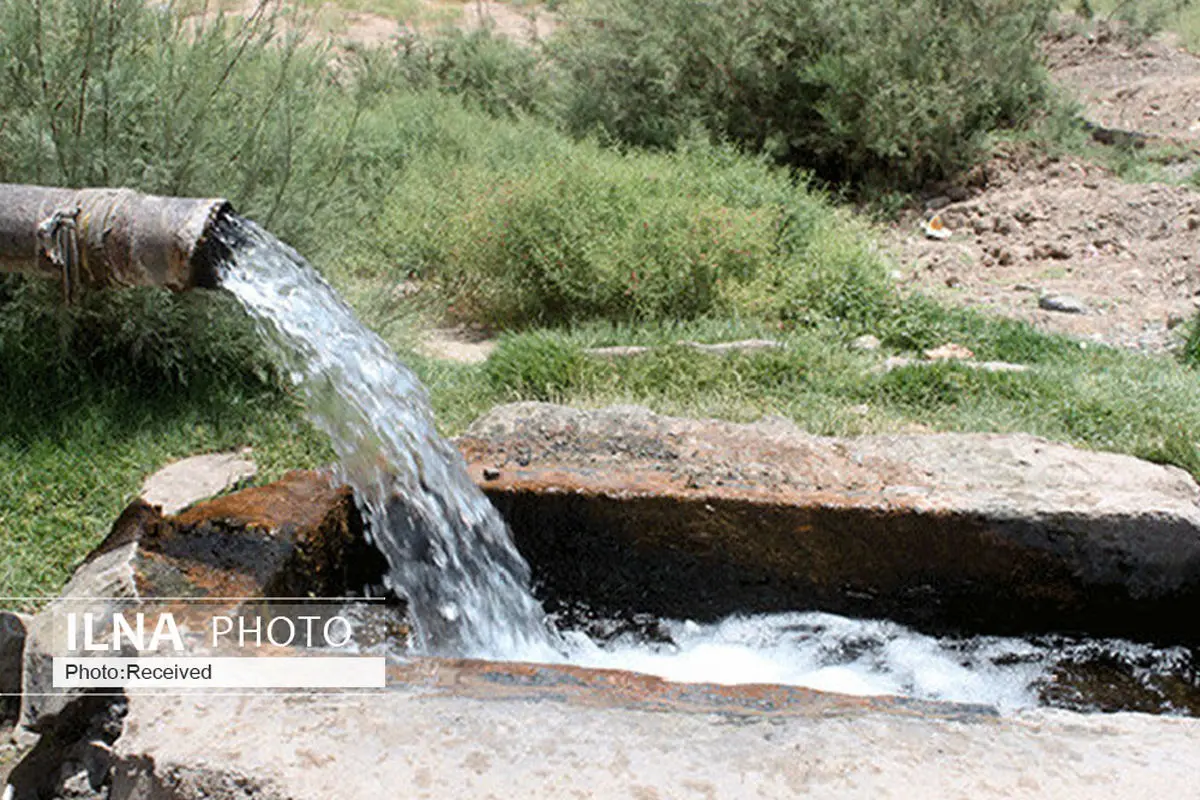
(1057, 252)
(862, 409)
(1026, 215)
(866, 342)
(491, 474)
(1063, 303)
(937, 202)
(183, 483)
(75, 783)
(953, 282)
(1175, 319)
(950, 351)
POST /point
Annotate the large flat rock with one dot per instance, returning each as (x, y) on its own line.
(412, 743)
(629, 510)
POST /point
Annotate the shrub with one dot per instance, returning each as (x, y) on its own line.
(124, 92)
(146, 338)
(551, 231)
(488, 72)
(892, 93)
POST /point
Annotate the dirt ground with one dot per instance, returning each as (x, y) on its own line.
(1153, 87)
(1034, 225)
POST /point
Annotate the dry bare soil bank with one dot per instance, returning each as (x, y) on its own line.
(1031, 224)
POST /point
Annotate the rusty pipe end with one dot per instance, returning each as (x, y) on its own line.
(131, 239)
(106, 238)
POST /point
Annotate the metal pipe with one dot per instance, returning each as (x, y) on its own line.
(106, 238)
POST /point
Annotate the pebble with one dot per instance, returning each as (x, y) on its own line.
(1063, 303)
(866, 342)
(1057, 252)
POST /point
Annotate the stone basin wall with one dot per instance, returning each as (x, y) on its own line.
(979, 533)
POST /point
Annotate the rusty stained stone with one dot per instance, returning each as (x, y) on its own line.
(611, 688)
(297, 537)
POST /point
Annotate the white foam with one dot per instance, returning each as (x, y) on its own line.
(829, 653)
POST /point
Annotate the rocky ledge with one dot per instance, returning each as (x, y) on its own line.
(627, 510)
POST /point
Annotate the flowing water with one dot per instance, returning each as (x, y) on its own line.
(467, 587)
(878, 657)
(449, 551)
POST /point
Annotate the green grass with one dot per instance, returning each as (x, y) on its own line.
(74, 459)
(1092, 397)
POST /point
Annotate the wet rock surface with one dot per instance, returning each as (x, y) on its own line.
(1007, 534)
(298, 536)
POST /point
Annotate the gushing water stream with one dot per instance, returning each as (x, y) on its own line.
(449, 551)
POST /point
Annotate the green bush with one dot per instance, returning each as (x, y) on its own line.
(487, 71)
(519, 226)
(894, 93)
(146, 338)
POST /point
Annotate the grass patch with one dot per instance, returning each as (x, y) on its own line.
(1145, 18)
(1092, 397)
(74, 452)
